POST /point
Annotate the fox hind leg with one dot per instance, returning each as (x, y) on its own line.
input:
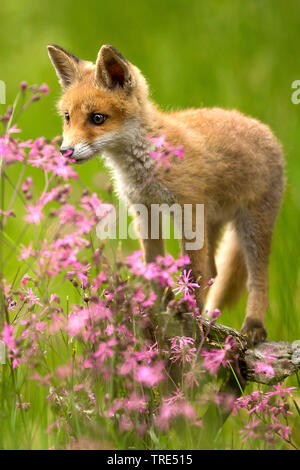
(254, 228)
(231, 271)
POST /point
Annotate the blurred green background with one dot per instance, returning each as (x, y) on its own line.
(226, 53)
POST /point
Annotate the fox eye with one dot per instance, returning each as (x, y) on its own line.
(67, 118)
(98, 118)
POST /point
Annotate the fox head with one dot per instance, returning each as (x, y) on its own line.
(98, 101)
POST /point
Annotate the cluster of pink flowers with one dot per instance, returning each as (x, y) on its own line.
(108, 335)
(46, 156)
(162, 270)
(182, 349)
(265, 367)
(215, 358)
(11, 150)
(268, 412)
(168, 412)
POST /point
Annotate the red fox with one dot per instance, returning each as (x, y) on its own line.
(232, 164)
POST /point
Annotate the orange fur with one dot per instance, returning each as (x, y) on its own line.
(232, 164)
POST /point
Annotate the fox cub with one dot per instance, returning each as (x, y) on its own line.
(232, 164)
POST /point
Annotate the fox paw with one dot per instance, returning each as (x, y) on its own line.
(254, 330)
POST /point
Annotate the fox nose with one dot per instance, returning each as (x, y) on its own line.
(67, 151)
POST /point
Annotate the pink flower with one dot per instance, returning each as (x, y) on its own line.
(162, 158)
(129, 363)
(54, 298)
(25, 279)
(16, 362)
(159, 141)
(162, 270)
(250, 430)
(8, 337)
(92, 203)
(35, 214)
(166, 151)
(214, 314)
(44, 88)
(41, 380)
(136, 403)
(24, 405)
(150, 301)
(109, 330)
(13, 130)
(285, 432)
(99, 280)
(169, 412)
(41, 326)
(7, 213)
(76, 323)
(148, 354)
(282, 392)
(27, 184)
(150, 375)
(177, 396)
(105, 349)
(26, 252)
(10, 149)
(263, 368)
(179, 152)
(31, 297)
(185, 283)
(181, 349)
(214, 358)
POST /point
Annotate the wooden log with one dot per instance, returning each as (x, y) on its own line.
(285, 356)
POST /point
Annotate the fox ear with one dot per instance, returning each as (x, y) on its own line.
(112, 69)
(65, 64)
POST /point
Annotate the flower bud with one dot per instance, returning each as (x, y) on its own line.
(35, 97)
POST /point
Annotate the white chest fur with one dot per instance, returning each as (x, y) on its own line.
(134, 170)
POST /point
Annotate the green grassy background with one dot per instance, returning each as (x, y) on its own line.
(230, 53)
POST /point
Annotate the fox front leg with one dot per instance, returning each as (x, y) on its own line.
(194, 244)
(152, 244)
